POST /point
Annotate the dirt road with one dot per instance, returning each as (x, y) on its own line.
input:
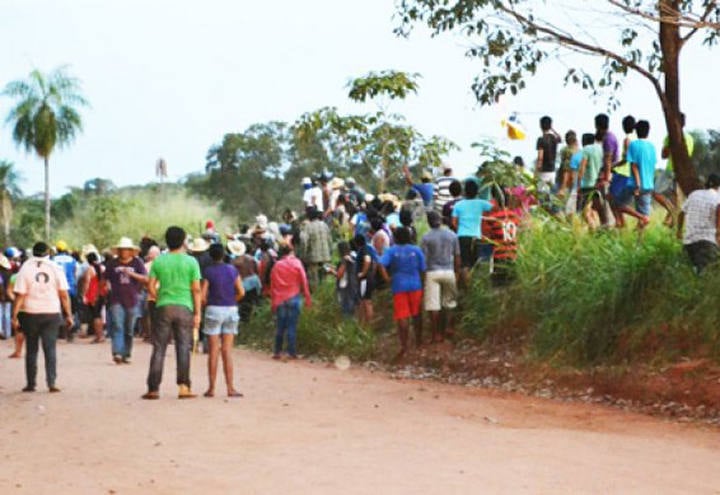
(308, 428)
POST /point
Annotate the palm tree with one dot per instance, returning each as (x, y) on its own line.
(45, 115)
(9, 191)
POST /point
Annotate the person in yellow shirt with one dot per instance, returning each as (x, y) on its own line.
(668, 196)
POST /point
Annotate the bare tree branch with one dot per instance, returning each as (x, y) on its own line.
(708, 10)
(670, 16)
(569, 41)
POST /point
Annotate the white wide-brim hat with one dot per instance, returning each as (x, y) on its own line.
(236, 248)
(125, 243)
(198, 245)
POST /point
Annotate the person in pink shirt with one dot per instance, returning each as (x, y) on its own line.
(287, 282)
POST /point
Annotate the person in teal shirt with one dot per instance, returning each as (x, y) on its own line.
(466, 221)
(587, 178)
(175, 283)
(642, 158)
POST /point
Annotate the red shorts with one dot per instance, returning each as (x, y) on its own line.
(407, 304)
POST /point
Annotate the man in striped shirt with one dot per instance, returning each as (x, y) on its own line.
(442, 189)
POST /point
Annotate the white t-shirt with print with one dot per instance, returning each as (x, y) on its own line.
(39, 279)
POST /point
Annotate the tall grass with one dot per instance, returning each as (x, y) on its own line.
(102, 220)
(606, 297)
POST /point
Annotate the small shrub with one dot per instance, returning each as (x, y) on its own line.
(322, 330)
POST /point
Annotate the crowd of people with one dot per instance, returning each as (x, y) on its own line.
(200, 289)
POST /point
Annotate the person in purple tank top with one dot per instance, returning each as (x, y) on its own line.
(222, 288)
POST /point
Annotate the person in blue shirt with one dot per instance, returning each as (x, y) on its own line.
(426, 188)
(466, 220)
(403, 265)
(69, 265)
(642, 157)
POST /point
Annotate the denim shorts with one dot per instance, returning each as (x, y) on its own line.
(643, 203)
(221, 320)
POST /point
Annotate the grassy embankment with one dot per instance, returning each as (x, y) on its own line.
(579, 299)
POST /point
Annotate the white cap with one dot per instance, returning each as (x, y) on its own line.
(306, 181)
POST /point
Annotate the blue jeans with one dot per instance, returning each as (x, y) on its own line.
(287, 315)
(122, 323)
(6, 316)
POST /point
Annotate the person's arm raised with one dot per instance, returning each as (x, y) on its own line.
(408, 176)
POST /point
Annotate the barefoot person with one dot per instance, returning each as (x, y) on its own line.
(406, 265)
(287, 282)
(127, 277)
(175, 284)
(222, 288)
(41, 290)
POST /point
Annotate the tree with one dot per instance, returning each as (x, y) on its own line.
(245, 171)
(45, 115)
(98, 186)
(9, 193)
(388, 142)
(374, 145)
(706, 158)
(513, 38)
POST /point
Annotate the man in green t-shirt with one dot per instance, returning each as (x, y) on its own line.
(175, 284)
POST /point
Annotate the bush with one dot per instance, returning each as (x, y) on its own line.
(322, 330)
(605, 297)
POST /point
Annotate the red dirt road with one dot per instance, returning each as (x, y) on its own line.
(305, 428)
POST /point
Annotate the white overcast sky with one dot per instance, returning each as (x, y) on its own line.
(170, 78)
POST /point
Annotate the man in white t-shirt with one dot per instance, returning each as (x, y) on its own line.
(700, 216)
(41, 291)
(313, 196)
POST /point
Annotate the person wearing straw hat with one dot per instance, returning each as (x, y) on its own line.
(175, 284)
(425, 188)
(127, 276)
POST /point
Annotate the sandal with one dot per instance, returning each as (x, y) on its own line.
(150, 396)
(235, 394)
(185, 393)
(209, 394)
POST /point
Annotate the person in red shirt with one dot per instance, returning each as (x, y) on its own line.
(287, 282)
(503, 224)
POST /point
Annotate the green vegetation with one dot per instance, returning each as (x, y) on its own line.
(583, 299)
(252, 171)
(45, 115)
(514, 38)
(322, 330)
(135, 212)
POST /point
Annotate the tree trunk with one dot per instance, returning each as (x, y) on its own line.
(47, 199)
(6, 216)
(671, 44)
